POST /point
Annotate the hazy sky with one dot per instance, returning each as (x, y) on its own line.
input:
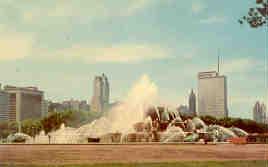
(60, 47)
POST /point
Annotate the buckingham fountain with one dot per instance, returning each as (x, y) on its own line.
(137, 119)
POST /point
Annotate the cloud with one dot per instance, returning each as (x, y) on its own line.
(136, 6)
(15, 45)
(123, 53)
(214, 19)
(197, 7)
(85, 10)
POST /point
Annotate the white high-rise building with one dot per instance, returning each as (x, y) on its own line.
(212, 94)
(101, 93)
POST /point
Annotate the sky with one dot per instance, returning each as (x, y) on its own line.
(59, 46)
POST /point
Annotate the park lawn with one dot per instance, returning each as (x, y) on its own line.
(168, 164)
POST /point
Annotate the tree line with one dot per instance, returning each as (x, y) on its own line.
(52, 122)
(248, 125)
(77, 118)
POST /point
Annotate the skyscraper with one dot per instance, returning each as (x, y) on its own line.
(212, 94)
(101, 93)
(45, 105)
(192, 103)
(24, 103)
(3, 105)
(259, 112)
(106, 92)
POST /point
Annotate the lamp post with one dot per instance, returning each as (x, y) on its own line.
(33, 133)
(49, 138)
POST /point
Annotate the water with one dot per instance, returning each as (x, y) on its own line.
(172, 134)
(120, 118)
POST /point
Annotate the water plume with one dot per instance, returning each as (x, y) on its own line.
(131, 110)
(141, 96)
(120, 118)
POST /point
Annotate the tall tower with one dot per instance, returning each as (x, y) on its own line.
(264, 115)
(97, 99)
(212, 94)
(106, 91)
(192, 103)
(259, 112)
(101, 94)
(218, 61)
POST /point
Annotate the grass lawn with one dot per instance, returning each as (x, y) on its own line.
(171, 164)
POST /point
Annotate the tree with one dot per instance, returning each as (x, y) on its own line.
(54, 121)
(31, 127)
(209, 119)
(248, 125)
(4, 129)
(258, 16)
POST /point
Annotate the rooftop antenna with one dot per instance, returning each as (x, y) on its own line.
(218, 61)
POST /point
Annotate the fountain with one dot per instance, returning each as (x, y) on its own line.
(136, 119)
(120, 118)
(18, 138)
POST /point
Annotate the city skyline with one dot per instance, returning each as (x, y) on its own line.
(164, 40)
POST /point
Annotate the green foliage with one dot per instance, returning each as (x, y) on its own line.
(31, 127)
(248, 125)
(69, 118)
(50, 123)
(54, 120)
(209, 119)
(7, 128)
(77, 118)
(258, 16)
